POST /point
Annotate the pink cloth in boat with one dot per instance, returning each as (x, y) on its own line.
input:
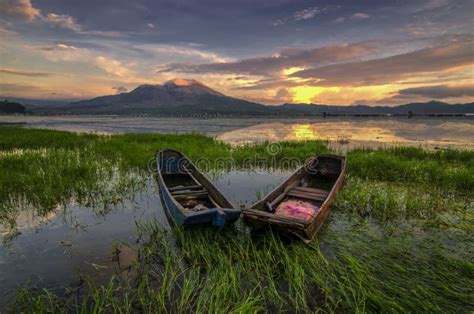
(297, 209)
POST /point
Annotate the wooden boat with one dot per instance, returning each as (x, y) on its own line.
(187, 195)
(316, 184)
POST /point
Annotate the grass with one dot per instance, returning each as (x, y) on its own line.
(399, 238)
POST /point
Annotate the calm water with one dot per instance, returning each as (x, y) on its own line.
(52, 251)
(343, 133)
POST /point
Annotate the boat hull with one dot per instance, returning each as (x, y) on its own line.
(258, 217)
(218, 216)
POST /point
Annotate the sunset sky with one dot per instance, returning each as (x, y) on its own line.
(268, 51)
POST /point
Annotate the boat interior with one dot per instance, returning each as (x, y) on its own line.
(187, 191)
(311, 186)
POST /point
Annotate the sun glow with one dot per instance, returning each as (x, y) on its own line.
(289, 71)
(302, 132)
(306, 94)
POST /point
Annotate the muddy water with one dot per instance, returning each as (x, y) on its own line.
(51, 252)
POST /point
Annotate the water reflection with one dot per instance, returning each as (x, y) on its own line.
(51, 251)
(302, 132)
(354, 132)
(362, 133)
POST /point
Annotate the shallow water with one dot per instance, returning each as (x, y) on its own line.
(343, 132)
(51, 252)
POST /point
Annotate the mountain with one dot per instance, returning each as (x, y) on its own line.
(180, 96)
(173, 97)
(7, 107)
(431, 107)
(33, 103)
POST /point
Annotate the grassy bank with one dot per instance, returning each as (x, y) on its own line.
(399, 237)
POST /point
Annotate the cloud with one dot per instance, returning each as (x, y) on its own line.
(360, 16)
(112, 66)
(18, 9)
(111, 34)
(120, 89)
(286, 58)
(56, 47)
(455, 53)
(65, 53)
(183, 50)
(13, 87)
(150, 25)
(339, 19)
(306, 13)
(23, 9)
(283, 95)
(25, 73)
(439, 91)
(64, 21)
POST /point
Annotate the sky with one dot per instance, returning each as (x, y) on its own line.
(269, 51)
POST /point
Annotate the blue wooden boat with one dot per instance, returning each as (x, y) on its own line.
(188, 196)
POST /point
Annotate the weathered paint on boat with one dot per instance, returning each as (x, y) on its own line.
(173, 163)
(323, 167)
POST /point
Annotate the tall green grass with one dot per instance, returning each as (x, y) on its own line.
(399, 238)
(351, 269)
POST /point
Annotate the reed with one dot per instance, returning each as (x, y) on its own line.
(399, 237)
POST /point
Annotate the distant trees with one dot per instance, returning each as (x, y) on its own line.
(7, 107)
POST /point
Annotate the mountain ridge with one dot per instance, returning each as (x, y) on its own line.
(173, 95)
(189, 96)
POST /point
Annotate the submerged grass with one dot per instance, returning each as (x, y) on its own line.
(399, 238)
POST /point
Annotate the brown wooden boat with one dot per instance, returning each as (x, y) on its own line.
(315, 184)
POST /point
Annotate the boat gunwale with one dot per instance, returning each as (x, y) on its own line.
(187, 213)
(268, 218)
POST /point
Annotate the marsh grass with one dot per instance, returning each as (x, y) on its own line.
(354, 269)
(399, 238)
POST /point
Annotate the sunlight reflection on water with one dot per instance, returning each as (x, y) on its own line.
(343, 132)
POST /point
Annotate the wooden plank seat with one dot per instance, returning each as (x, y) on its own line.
(200, 195)
(311, 190)
(189, 192)
(184, 187)
(308, 193)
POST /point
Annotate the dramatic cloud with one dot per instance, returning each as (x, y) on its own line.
(18, 9)
(287, 58)
(25, 73)
(439, 91)
(392, 69)
(231, 45)
(64, 21)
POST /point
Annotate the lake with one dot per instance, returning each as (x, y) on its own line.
(54, 249)
(343, 132)
(73, 240)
